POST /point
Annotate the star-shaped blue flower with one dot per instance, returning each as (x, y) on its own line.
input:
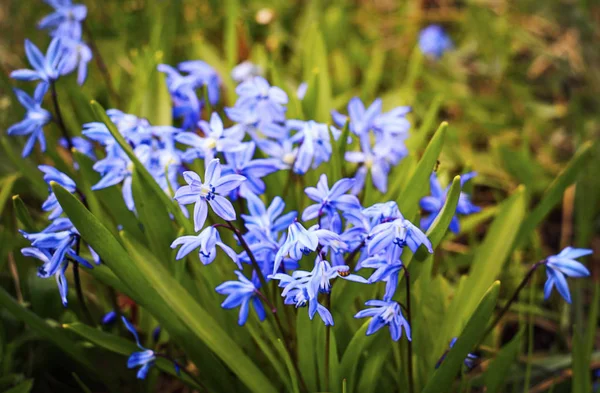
(144, 358)
(385, 313)
(35, 119)
(561, 266)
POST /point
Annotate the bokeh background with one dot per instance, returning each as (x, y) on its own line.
(520, 90)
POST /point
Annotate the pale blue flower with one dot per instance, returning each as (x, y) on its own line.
(144, 359)
(268, 221)
(77, 56)
(246, 70)
(66, 19)
(202, 194)
(241, 162)
(385, 313)
(51, 204)
(240, 294)
(399, 232)
(434, 41)
(35, 119)
(563, 265)
(330, 200)
(45, 68)
(206, 241)
(299, 242)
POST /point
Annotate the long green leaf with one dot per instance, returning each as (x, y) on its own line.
(23, 214)
(23, 387)
(416, 187)
(359, 343)
(122, 346)
(553, 195)
(443, 378)
(495, 375)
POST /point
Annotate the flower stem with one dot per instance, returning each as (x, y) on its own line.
(78, 288)
(411, 382)
(59, 118)
(513, 297)
(101, 65)
(265, 297)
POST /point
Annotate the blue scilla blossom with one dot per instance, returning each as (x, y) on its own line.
(387, 265)
(323, 273)
(35, 119)
(253, 123)
(135, 130)
(239, 294)
(207, 240)
(385, 313)
(109, 318)
(240, 162)
(246, 70)
(144, 359)
(182, 88)
(268, 221)
(202, 194)
(361, 119)
(267, 100)
(383, 212)
(77, 55)
(330, 200)
(563, 265)
(117, 168)
(284, 152)
(45, 68)
(82, 145)
(299, 297)
(299, 242)
(205, 76)
(315, 143)
(434, 41)
(301, 90)
(216, 139)
(399, 232)
(66, 19)
(52, 247)
(51, 204)
(434, 202)
(371, 159)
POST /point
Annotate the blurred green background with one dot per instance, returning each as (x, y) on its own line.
(520, 90)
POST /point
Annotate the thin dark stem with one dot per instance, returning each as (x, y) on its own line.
(264, 296)
(411, 382)
(101, 65)
(181, 368)
(513, 298)
(59, 118)
(327, 345)
(78, 288)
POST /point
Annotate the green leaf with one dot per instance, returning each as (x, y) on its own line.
(486, 266)
(317, 101)
(122, 346)
(443, 378)
(46, 331)
(23, 387)
(153, 185)
(496, 374)
(374, 72)
(231, 42)
(6, 187)
(418, 184)
(418, 139)
(359, 343)
(553, 195)
(290, 367)
(161, 294)
(38, 187)
(23, 214)
(154, 218)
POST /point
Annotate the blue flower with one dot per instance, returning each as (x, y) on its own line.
(207, 241)
(285, 153)
(205, 76)
(109, 318)
(374, 160)
(330, 200)
(240, 294)
(77, 56)
(267, 100)
(563, 265)
(299, 242)
(51, 204)
(399, 232)
(267, 221)
(144, 358)
(36, 118)
(66, 19)
(186, 104)
(240, 162)
(388, 266)
(315, 143)
(82, 145)
(385, 313)
(434, 203)
(45, 68)
(434, 41)
(299, 297)
(246, 70)
(361, 119)
(202, 194)
(216, 139)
